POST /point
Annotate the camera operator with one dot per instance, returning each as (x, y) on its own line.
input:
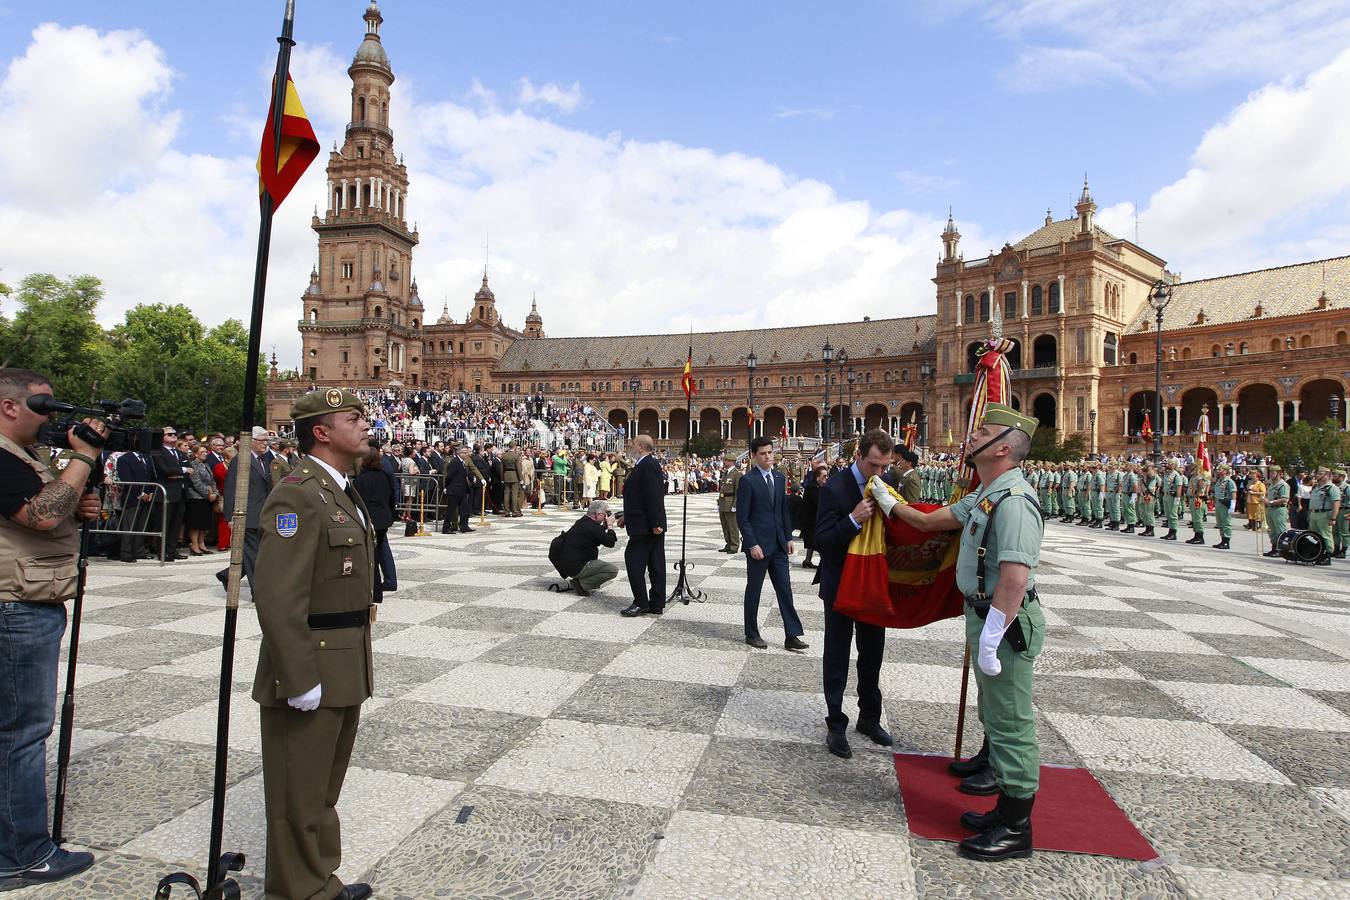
(39, 547)
(578, 550)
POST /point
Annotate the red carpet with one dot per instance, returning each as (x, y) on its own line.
(1073, 813)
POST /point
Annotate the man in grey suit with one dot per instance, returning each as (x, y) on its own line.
(259, 484)
(766, 535)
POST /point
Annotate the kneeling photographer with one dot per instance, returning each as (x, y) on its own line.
(39, 549)
(575, 553)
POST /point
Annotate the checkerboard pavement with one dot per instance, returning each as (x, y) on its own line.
(594, 756)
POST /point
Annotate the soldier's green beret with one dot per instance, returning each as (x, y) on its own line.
(999, 414)
(323, 402)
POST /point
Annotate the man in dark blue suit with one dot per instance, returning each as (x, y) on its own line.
(844, 507)
(644, 518)
(137, 503)
(766, 534)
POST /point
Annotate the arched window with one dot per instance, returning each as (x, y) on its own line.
(361, 109)
(1306, 341)
(887, 378)
(984, 306)
(1037, 300)
(867, 378)
(384, 113)
(1109, 349)
(1242, 348)
(314, 315)
(904, 374)
(1215, 350)
(379, 312)
(799, 381)
(1134, 359)
(1054, 297)
(1340, 337)
(1185, 352)
(970, 308)
(817, 381)
(1274, 344)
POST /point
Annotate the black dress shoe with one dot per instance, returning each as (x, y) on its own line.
(980, 784)
(224, 578)
(1272, 553)
(757, 642)
(976, 763)
(576, 586)
(795, 643)
(874, 731)
(808, 565)
(1009, 839)
(355, 891)
(838, 744)
(467, 530)
(636, 610)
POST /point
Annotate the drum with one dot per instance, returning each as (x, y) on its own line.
(1299, 546)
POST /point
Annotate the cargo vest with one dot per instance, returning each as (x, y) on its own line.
(37, 566)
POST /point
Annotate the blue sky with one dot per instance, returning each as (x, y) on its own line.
(848, 127)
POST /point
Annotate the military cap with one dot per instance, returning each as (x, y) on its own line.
(1000, 414)
(321, 403)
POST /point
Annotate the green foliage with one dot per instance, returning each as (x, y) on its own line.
(706, 445)
(160, 353)
(1045, 446)
(55, 333)
(1302, 445)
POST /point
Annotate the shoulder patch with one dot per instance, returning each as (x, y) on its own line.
(287, 524)
(1016, 490)
(293, 479)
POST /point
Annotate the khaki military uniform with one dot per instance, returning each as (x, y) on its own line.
(315, 574)
(282, 465)
(511, 481)
(726, 510)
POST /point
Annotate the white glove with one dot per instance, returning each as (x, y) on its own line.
(992, 635)
(880, 493)
(308, 701)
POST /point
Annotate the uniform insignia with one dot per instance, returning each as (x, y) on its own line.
(293, 479)
(340, 518)
(287, 524)
(986, 506)
(334, 397)
(346, 565)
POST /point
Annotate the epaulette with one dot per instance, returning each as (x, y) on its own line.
(293, 479)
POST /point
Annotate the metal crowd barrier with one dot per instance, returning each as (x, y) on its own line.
(124, 513)
(418, 498)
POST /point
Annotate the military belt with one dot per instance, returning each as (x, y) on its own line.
(353, 619)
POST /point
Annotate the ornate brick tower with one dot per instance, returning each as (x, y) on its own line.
(362, 317)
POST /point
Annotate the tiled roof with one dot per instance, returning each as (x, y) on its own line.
(1284, 291)
(772, 346)
(1063, 230)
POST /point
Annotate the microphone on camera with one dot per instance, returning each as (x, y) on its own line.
(45, 404)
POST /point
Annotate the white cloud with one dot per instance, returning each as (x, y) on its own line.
(1269, 185)
(1070, 43)
(615, 235)
(819, 113)
(564, 99)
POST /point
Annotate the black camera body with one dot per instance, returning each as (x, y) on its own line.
(120, 435)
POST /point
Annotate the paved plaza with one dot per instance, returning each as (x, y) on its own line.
(524, 743)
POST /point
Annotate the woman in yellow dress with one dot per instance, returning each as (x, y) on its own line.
(607, 468)
(1256, 502)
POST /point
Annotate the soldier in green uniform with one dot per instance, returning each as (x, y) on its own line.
(314, 582)
(1111, 483)
(511, 493)
(1001, 531)
(1097, 491)
(1342, 530)
(1324, 508)
(1197, 496)
(1068, 478)
(1173, 502)
(1052, 480)
(1040, 477)
(1129, 498)
(1149, 486)
(1084, 494)
(622, 467)
(726, 506)
(1224, 491)
(284, 460)
(1277, 509)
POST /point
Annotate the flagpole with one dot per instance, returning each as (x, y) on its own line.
(217, 862)
(683, 593)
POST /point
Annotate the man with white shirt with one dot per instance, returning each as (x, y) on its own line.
(766, 535)
(314, 595)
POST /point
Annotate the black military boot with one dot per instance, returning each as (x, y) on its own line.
(1096, 523)
(1129, 529)
(982, 822)
(1199, 538)
(981, 784)
(970, 766)
(1272, 552)
(1113, 526)
(1009, 839)
(1339, 554)
(1222, 545)
(1170, 536)
(1324, 560)
(1147, 532)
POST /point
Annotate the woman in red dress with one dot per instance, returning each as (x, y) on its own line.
(222, 524)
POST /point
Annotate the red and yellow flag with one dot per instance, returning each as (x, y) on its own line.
(687, 379)
(279, 172)
(1146, 430)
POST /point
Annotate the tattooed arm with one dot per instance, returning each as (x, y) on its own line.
(60, 499)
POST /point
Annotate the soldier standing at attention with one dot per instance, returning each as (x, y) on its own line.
(1342, 529)
(1149, 485)
(315, 570)
(1325, 507)
(1129, 497)
(726, 506)
(284, 460)
(1277, 509)
(1174, 484)
(1097, 489)
(1001, 531)
(1224, 491)
(511, 480)
(1197, 493)
(1111, 482)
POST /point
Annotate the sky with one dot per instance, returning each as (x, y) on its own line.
(647, 167)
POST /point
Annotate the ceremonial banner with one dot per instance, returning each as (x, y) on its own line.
(279, 172)
(1201, 451)
(1146, 431)
(687, 379)
(911, 432)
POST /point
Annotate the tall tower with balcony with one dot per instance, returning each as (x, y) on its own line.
(363, 319)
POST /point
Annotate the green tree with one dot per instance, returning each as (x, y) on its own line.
(1045, 446)
(706, 445)
(1303, 445)
(55, 332)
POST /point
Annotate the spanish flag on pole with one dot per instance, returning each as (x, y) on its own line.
(278, 172)
(687, 379)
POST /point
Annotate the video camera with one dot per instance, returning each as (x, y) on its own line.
(120, 436)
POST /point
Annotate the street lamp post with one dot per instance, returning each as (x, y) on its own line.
(852, 379)
(841, 361)
(1336, 412)
(632, 417)
(826, 354)
(1092, 418)
(750, 363)
(206, 386)
(1158, 298)
(925, 374)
